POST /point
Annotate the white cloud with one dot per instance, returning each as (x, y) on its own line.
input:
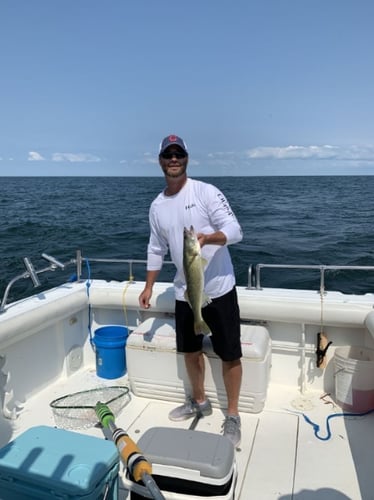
(148, 159)
(221, 154)
(35, 156)
(75, 157)
(324, 152)
(362, 153)
(193, 162)
(300, 152)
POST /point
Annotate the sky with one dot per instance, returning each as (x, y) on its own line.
(254, 87)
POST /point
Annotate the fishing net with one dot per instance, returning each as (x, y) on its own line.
(77, 411)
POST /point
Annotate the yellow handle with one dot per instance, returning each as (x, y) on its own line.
(133, 457)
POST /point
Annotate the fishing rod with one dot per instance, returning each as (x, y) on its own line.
(137, 464)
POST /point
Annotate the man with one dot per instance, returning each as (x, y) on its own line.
(185, 202)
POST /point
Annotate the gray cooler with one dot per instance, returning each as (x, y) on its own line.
(192, 464)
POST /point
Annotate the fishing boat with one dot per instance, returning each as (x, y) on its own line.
(306, 403)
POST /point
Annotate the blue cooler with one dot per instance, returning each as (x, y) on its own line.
(49, 463)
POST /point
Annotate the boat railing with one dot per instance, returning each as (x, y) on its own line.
(54, 264)
(254, 272)
(33, 273)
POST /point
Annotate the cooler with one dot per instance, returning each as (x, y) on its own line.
(192, 464)
(157, 371)
(49, 463)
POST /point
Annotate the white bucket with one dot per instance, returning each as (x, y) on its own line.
(354, 378)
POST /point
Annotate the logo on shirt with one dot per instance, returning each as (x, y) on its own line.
(225, 204)
(188, 207)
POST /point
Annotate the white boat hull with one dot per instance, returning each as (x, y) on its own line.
(46, 352)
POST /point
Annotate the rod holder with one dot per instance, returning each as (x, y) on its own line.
(30, 269)
(53, 261)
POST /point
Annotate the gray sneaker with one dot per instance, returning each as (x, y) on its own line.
(231, 429)
(190, 409)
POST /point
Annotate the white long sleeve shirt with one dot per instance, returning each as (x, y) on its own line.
(204, 207)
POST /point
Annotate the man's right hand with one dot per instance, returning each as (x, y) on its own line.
(144, 298)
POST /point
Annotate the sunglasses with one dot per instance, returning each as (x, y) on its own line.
(169, 156)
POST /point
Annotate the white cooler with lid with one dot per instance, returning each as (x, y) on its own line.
(157, 371)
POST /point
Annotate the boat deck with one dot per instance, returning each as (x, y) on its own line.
(279, 456)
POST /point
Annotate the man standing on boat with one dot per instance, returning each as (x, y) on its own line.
(187, 202)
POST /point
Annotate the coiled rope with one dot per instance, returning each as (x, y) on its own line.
(328, 435)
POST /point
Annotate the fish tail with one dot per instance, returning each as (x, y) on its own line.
(201, 328)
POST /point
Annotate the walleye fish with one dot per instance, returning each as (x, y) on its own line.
(193, 265)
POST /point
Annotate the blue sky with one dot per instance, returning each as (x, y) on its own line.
(255, 87)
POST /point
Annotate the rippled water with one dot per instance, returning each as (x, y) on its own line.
(286, 220)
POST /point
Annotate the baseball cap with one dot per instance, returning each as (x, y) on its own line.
(172, 140)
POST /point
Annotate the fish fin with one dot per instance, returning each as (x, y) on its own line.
(201, 328)
(204, 262)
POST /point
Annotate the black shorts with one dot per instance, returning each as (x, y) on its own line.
(223, 318)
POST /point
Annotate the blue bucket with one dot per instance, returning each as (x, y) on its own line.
(110, 343)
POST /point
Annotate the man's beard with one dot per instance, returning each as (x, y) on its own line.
(169, 172)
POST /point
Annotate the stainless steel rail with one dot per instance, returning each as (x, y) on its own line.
(254, 271)
(129, 262)
(54, 264)
(33, 273)
(254, 279)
